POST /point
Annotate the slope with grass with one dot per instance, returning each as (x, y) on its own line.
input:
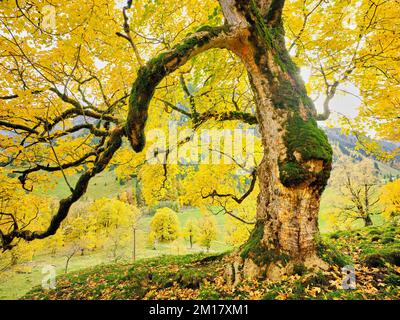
(16, 282)
(374, 252)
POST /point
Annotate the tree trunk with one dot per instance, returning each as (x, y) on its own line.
(14, 259)
(368, 221)
(134, 244)
(67, 262)
(138, 191)
(297, 156)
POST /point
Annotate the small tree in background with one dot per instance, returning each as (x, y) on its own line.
(391, 201)
(190, 231)
(165, 225)
(76, 237)
(207, 227)
(127, 196)
(357, 185)
(113, 221)
(151, 240)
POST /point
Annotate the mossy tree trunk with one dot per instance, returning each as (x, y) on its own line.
(297, 155)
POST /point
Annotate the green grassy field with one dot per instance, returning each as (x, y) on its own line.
(104, 185)
(23, 278)
(373, 251)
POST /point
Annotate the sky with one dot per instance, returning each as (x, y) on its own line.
(344, 103)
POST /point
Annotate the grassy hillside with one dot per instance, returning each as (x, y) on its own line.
(374, 252)
(104, 185)
(21, 279)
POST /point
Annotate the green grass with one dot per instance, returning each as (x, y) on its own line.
(194, 276)
(131, 281)
(23, 279)
(104, 185)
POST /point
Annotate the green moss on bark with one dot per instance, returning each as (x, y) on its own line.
(305, 138)
(292, 173)
(288, 95)
(274, 39)
(261, 27)
(253, 241)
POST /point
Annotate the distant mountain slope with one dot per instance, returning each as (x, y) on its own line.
(347, 143)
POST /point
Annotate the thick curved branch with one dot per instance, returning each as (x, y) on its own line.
(93, 130)
(78, 109)
(330, 93)
(11, 97)
(219, 116)
(158, 68)
(15, 96)
(64, 166)
(228, 116)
